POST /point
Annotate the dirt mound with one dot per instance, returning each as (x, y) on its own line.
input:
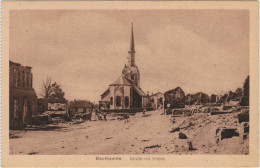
(200, 128)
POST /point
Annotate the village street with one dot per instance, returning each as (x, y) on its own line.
(95, 137)
(142, 134)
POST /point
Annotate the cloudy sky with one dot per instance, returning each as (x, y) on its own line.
(86, 50)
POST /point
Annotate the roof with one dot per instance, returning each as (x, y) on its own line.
(155, 94)
(121, 80)
(105, 99)
(81, 103)
(105, 92)
(139, 91)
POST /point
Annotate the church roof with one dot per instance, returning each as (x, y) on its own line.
(121, 81)
(139, 91)
(105, 99)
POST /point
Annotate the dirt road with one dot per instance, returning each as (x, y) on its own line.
(95, 137)
(142, 134)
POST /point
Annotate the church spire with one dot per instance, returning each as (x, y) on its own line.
(132, 43)
(132, 48)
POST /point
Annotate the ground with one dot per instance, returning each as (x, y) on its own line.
(140, 134)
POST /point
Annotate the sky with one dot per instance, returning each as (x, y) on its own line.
(86, 50)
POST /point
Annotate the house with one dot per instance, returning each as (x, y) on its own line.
(125, 94)
(22, 96)
(80, 106)
(156, 100)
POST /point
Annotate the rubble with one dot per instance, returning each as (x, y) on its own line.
(153, 146)
(190, 146)
(182, 136)
(226, 132)
(175, 129)
(243, 116)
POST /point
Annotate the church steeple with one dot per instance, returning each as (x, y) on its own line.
(131, 71)
(131, 59)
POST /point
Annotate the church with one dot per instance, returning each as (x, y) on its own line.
(125, 94)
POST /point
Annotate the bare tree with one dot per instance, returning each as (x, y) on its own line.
(46, 88)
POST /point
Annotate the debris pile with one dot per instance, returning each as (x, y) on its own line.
(212, 129)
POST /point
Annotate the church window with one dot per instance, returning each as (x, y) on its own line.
(126, 101)
(111, 100)
(118, 101)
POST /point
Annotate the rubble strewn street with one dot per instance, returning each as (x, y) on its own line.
(150, 133)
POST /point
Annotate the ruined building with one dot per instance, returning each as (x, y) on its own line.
(22, 97)
(175, 97)
(125, 91)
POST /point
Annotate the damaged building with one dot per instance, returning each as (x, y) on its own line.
(22, 96)
(80, 106)
(125, 92)
(156, 100)
(175, 97)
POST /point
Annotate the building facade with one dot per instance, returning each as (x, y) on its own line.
(125, 91)
(22, 97)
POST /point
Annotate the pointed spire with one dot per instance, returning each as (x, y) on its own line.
(132, 43)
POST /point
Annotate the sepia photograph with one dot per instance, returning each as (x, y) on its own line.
(139, 82)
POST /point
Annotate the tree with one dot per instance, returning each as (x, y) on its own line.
(51, 90)
(46, 89)
(56, 91)
(245, 97)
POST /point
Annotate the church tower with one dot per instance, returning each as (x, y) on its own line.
(130, 70)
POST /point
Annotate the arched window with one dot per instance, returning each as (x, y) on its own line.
(118, 101)
(126, 101)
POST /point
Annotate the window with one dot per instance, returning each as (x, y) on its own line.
(19, 79)
(126, 101)
(118, 101)
(132, 77)
(16, 106)
(111, 100)
(15, 77)
(27, 79)
(31, 80)
(23, 78)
